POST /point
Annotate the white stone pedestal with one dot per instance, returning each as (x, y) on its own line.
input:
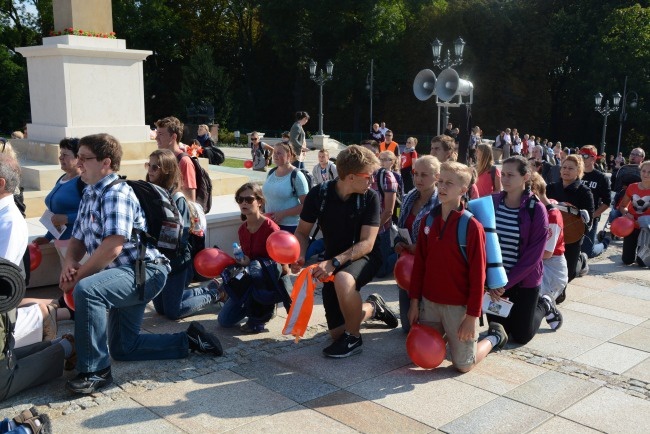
(320, 141)
(81, 85)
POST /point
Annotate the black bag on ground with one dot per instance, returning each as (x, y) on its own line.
(237, 282)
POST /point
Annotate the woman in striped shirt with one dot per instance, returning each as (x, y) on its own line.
(522, 225)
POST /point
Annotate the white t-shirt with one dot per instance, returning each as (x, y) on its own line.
(13, 231)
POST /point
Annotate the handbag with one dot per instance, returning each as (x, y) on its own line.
(237, 282)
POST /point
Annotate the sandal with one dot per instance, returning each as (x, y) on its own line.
(71, 362)
(39, 423)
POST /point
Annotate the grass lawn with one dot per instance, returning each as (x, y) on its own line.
(233, 162)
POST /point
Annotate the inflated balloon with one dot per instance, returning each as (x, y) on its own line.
(248, 164)
(425, 346)
(622, 227)
(211, 262)
(283, 247)
(403, 270)
(35, 256)
(69, 299)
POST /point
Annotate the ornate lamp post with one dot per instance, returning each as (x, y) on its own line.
(320, 80)
(370, 79)
(623, 116)
(606, 111)
(447, 62)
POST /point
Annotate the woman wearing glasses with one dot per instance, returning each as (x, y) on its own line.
(260, 152)
(176, 300)
(253, 234)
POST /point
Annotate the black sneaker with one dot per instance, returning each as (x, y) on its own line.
(345, 346)
(382, 312)
(497, 330)
(202, 341)
(90, 382)
(560, 298)
(553, 315)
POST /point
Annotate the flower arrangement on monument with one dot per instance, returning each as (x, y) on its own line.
(80, 32)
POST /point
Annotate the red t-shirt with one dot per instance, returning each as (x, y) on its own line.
(407, 158)
(484, 182)
(254, 244)
(440, 272)
(639, 201)
(555, 234)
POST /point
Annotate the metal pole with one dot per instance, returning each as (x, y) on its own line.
(320, 121)
(622, 117)
(446, 116)
(605, 116)
(372, 79)
(438, 128)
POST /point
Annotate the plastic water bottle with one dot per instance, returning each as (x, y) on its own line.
(237, 252)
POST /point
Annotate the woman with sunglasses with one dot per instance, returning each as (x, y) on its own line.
(176, 300)
(260, 152)
(285, 193)
(253, 234)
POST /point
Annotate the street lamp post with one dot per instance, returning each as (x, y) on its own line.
(623, 116)
(606, 111)
(320, 80)
(370, 79)
(447, 62)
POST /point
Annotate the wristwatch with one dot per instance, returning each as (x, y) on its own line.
(336, 263)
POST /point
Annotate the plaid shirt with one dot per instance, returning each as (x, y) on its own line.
(388, 185)
(407, 206)
(115, 211)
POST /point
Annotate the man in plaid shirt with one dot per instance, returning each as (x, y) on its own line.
(106, 281)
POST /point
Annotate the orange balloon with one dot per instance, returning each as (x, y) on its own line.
(211, 262)
(35, 256)
(69, 299)
(425, 346)
(622, 227)
(248, 164)
(403, 270)
(283, 247)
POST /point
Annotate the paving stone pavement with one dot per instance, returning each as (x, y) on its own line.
(592, 375)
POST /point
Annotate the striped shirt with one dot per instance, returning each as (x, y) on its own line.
(508, 232)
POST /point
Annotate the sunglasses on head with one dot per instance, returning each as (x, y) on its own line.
(248, 199)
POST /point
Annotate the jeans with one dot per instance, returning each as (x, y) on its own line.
(114, 290)
(589, 245)
(386, 250)
(233, 311)
(315, 248)
(290, 229)
(176, 300)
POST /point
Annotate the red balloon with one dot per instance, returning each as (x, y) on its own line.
(622, 227)
(283, 247)
(69, 299)
(403, 270)
(425, 346)
(35, 256)
(248, 164)
(211, 262)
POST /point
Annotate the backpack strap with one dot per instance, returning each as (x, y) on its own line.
(381, 176)
(461, 233)
(531, 205)
(322, 194)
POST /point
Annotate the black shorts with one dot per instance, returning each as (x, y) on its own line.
(363, 270)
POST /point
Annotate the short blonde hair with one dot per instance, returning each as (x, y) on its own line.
(463, 172)
(430, 161)
(354, 159)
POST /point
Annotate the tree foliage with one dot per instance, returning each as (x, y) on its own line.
(535, 64)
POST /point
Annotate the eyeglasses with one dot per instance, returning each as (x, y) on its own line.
(368, 176)
(635, 154)
(154, 167)
(585, 156)
(385, 159)
(248, 199)
(253, 139)
(83, 159)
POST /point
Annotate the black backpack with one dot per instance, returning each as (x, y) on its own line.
(308, 176)
(164, 221)
(203, 183)
(214, 155)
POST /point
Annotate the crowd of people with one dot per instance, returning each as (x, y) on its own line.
(373, 202)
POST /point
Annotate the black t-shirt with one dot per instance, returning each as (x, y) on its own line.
(341, 222)
(599, 185)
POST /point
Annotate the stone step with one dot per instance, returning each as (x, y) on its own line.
(48, 153)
